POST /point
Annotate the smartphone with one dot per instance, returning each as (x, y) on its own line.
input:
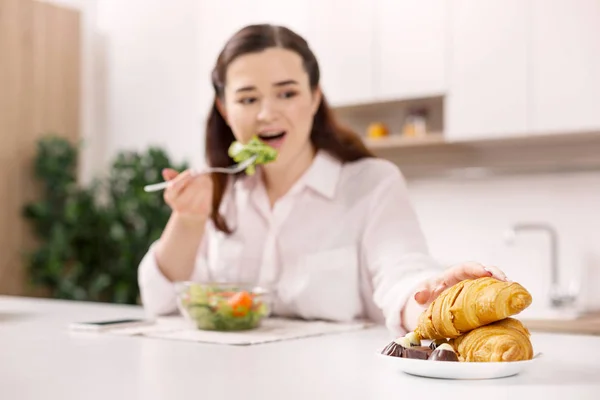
(97, 326)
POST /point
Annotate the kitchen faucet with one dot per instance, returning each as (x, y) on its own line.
(558, 298)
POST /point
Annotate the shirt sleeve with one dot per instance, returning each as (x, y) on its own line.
(157, 292)
(395, 250)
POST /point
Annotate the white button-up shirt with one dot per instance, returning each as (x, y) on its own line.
(344, 243)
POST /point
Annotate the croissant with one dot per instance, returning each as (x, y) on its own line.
(505, 340)
(470, 304)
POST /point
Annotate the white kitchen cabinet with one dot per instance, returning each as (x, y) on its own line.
(341, 34)
(411, 46)
(293, 14)
(488, 72)
(565, 87)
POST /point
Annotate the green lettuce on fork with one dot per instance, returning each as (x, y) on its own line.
(255, 147)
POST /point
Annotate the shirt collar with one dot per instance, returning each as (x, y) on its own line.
(322, 176)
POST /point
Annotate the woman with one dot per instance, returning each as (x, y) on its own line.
(328, 226)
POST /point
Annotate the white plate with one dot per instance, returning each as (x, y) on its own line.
(458, 370)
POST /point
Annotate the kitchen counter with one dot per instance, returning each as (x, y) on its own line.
(41, 359)
(585, 324)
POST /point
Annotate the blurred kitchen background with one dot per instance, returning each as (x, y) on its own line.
(491, 108)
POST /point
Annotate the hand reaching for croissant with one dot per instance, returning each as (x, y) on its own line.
(470, 270)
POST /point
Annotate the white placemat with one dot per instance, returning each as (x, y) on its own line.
(271, 330)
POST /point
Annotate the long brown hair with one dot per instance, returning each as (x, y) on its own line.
(327, 134)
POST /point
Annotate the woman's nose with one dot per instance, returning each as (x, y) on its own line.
(267, 112)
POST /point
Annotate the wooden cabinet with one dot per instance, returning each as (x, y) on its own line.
(411, 48)
(488, 81)
(40, 81)
(565, 70)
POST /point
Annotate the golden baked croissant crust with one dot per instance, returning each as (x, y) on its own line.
(505, 340)
(470, 304)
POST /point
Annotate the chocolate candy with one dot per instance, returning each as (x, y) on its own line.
(393, 349)
(418, 352)
(406, 347)
(444, 352)
(396, 348)
(436, 343)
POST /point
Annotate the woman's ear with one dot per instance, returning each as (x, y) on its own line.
(221, 109)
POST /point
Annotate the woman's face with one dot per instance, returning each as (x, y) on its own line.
(268, 94)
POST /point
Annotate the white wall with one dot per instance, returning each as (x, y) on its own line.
(466, 220)
(150, 80)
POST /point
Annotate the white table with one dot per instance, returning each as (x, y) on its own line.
(41, 359)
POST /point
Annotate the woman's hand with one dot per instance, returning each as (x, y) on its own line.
(189, 196)
(470, 270)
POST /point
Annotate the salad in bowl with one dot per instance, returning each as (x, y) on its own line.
(223, 306)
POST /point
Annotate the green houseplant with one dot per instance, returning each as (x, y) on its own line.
(93, 238)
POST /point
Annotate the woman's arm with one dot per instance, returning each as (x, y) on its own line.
(177, 248)
(395, 252)
(177, 255)
(180, 254)
(405, 278)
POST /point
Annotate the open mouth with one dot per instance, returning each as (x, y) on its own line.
(266, 137)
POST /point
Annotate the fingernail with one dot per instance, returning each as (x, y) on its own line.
(418, 294)
(488, 271)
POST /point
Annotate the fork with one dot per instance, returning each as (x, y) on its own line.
(234, 169)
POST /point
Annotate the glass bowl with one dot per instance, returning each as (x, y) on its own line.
(223, 306)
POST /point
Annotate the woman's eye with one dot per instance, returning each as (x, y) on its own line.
(247, 100)
(288, 94)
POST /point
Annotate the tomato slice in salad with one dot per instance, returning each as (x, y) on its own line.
(240, 303)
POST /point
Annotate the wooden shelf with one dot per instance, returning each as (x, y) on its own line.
(434, 156)
(398, 141)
